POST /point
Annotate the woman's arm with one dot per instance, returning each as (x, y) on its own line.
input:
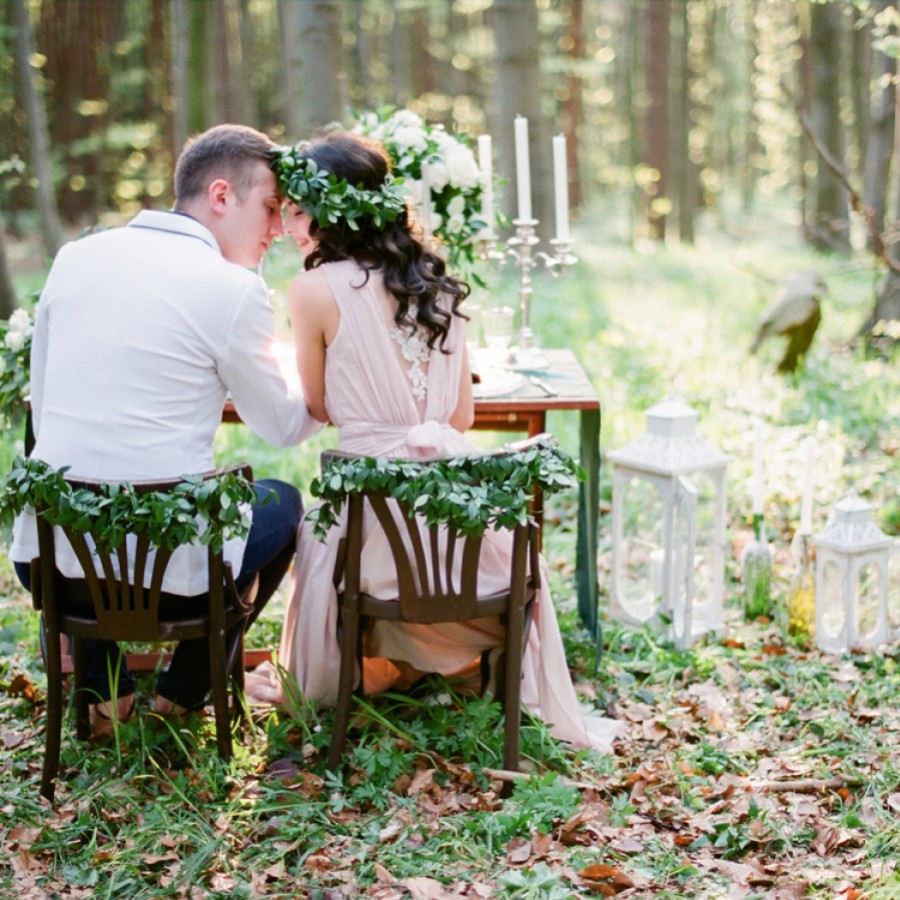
(464, 414)
(314, 319)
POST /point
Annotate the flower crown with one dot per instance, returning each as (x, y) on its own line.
(327, 200)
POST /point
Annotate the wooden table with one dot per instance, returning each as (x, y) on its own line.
(525, 410)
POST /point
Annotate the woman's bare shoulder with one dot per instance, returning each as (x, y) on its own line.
(310, 287)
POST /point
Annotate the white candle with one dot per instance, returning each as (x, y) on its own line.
(485, 163)
(426, 204)
(523, 169)
(757, 468)
(561, 187)
(806, 498)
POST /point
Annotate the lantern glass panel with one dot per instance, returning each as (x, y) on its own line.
(867, 610)
(642, 549)
(832, 599)
(705, 599)
(894, 591)
(682, 593)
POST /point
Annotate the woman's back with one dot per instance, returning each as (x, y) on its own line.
(382, 380)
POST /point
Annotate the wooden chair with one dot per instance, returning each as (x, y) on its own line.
(428, 593)
(110, 608)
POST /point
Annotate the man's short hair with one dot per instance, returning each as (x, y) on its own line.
(225, 151)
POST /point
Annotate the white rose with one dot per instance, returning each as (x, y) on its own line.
(455, 224)
(462, 168)
(457, 206)
(405, 118)
(409, 138)
(20, 321)
(442, 139)
(15, 340)
(438, 176)
(367, 122)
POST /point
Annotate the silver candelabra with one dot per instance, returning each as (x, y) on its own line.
(520, 248)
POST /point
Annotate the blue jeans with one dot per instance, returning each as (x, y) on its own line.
(270, 548)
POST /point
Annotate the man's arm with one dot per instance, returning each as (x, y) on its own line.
(249, 369)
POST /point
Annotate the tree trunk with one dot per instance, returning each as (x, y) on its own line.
(573, 107)
(681, 131)
(656, 121)
(829, 226)
(882, 120)
(197, 116)
(362, 86)
(401, 53)
(8, 299)
(518, 92)
(178, 75)
(320, 65)
(289, 28)
(38, 134)
(627, 83)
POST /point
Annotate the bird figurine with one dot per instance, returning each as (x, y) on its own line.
(795, 315)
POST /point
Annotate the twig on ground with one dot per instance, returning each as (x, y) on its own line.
(805, 785)
(507, 775)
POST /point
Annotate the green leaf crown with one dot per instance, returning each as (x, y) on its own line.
(329, 200)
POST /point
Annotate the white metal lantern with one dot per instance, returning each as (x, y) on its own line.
(668, 510)
(852, 557)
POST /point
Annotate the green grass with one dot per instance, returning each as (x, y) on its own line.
(684, 808)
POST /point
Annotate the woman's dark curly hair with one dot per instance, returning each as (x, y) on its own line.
(410, 271)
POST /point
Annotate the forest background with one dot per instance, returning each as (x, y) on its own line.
(676, 109)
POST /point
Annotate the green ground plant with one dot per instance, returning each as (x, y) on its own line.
(750, 766)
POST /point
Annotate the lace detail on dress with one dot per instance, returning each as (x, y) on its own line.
(415, 350)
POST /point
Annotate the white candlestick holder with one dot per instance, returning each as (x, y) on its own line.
(520, 248)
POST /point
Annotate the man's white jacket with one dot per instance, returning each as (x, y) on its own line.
(140, 334)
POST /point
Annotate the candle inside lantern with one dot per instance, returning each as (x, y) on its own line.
(806, 498)
(485, 163)
(561, 186)
(757, 468)
(426, 204)
(523, 168)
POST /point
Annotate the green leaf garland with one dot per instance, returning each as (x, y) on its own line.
(469, 493)
(170, 519)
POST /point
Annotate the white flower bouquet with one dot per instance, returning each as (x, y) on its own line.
(454, 177)
(15, 353)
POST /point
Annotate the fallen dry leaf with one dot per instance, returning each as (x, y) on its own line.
(422, 888)
(518, 851)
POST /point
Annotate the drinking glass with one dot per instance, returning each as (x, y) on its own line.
(498, 329)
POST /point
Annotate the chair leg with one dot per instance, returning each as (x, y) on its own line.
(79, 688)
(348, 643)
(53, 668)
(239, 707)
(512, 695)
(219, 681)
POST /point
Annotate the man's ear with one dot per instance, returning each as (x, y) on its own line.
(218, 193)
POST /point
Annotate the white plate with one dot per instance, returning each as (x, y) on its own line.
(496, 382)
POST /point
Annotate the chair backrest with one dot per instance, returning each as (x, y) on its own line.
(125, 608)
(436, 566)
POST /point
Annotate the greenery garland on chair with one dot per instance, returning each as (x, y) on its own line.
(469, 493)
(171, 518)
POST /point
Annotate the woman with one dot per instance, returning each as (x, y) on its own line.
(381, 353)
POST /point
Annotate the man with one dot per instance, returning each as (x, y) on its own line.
(140, 333)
